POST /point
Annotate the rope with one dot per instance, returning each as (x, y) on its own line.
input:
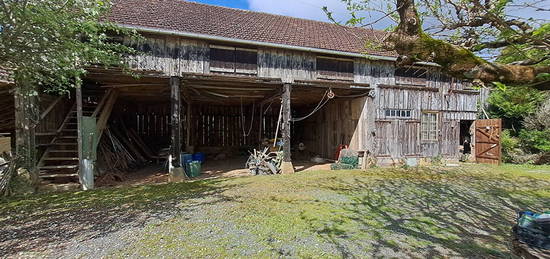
(353, 96)
(317, 108)
(243, 119)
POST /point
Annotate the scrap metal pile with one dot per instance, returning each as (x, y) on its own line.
(264, 162)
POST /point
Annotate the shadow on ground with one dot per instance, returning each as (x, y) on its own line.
(433, 213)
(36, 222)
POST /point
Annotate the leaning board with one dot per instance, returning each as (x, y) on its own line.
(5, 145)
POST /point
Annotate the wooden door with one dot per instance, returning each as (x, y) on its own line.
(450, 138)
(487, 138)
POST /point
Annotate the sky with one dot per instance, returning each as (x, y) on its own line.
(312, 9)
(308, 9)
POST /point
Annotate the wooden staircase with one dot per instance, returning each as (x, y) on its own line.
(59, 163)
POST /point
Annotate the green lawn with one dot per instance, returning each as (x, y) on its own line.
(425, 212)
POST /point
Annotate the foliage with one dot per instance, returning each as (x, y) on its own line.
(513, 104)
(535, 141)
(484, 41)
(48, 43)
(519, 52)
(540, 119)
(509, 146)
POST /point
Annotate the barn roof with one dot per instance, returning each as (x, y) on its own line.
(191, 17)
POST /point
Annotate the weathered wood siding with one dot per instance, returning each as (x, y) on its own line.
(400, 137)
(342, 121)
(170, 55)
(287, 65)
(368, 127)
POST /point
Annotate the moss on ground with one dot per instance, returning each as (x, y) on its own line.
(416, 212)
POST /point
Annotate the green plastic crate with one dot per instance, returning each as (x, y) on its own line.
(193, 169)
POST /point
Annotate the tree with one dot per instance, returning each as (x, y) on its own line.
(49, 43)
(514, 104)
(453, 34)
(46, 45)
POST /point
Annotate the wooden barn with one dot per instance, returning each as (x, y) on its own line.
(221, 81)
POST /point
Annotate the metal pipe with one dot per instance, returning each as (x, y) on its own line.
(263, 44)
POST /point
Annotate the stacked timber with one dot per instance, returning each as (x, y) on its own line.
(122, 149)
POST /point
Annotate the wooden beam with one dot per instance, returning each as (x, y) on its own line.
(232, 88)
(106, 113)
(50, 107)
(410, 87)
(102, 102)
(287, 166)
(176, 169)
(188, 128)
(331, 84)
(81, 163)
(130, 85)
(220, 77)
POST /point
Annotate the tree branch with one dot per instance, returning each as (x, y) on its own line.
(413, 45)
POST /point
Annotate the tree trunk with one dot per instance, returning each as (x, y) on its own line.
(413, 45)
(26, 116)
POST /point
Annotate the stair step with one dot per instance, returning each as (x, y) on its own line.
(57, 175)
(61, 159)
(66, 137)
(58, 167)
(62, 151)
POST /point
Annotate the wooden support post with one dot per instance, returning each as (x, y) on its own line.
(176, 168)
(85, 166)
(260, 127)
(287, 166)
(25, 119)
(188, 146)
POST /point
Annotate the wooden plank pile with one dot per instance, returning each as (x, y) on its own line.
(122, 149)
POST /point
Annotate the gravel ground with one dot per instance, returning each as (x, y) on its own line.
(380, 213)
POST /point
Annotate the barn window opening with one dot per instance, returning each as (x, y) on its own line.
(411, 76)
(429, 127)
(398, 113)
(233, 60)
(335, 68)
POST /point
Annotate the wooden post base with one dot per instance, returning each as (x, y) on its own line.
(287, 168)
(176, 175)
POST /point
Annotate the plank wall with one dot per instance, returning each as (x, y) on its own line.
(365, 125)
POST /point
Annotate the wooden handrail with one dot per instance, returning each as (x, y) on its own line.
(50, 108)
(102, 102)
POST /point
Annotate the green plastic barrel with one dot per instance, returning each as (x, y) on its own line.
(193, 169)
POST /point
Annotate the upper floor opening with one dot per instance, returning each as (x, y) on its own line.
(233, 60)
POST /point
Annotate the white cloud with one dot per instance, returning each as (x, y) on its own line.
(307, 9)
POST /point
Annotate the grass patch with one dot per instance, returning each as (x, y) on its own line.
(415, 212)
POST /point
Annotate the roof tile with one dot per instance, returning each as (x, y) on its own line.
(184, 16)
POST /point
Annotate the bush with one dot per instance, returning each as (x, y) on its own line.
(535, 141)
(509, 146)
